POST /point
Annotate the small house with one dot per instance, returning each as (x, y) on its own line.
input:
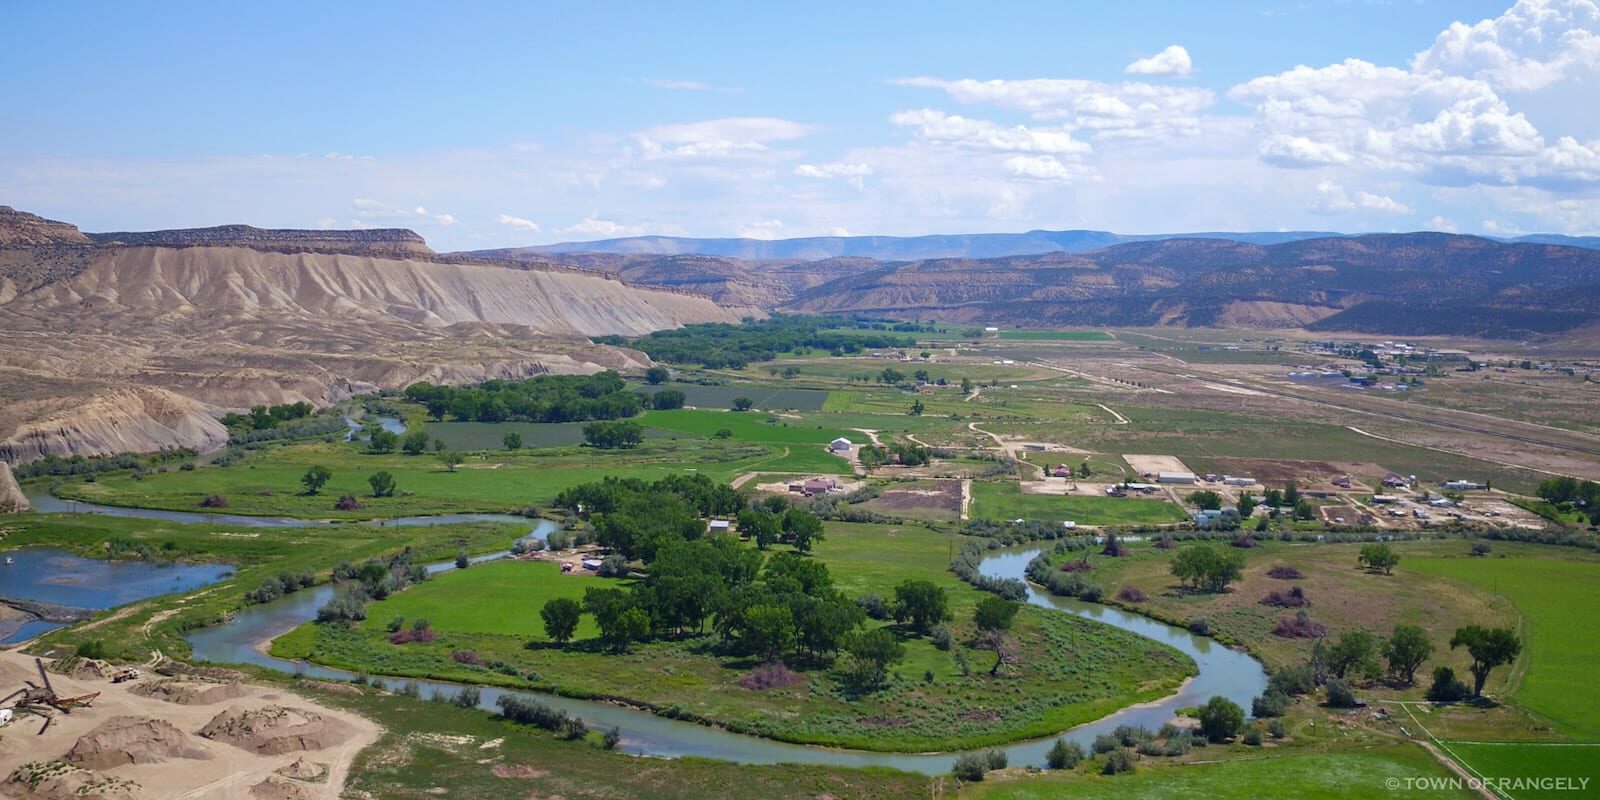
(1069, 525)
(819, 485)
(1394, 481)
(591, 564)
(718, 526)
(1062, 471)
(839, 445)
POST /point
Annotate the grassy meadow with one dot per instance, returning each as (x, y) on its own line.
(1005, 501)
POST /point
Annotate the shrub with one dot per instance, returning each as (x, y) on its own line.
(395, 624)
(613, 566)
(1277, 729)
(466, 698)
(1340, 694)
(1271, 704)
(1252, 737)
(1245, 541)
(347, 502)
(573, 728)
(1166, 543)
(1179, 744)
(773, 675)
(1118, 762)
(995, 759)
(875, 606)
(1130, 735)
(611, 739)
(214, 501)
(1091, 593)
(1446, 687)
(468, 657)
(1104, 743)
(1294, 598)
(941, 637)
(1065, 755)
(1283, 573)
(525, 710)
(1200, 626)
(1220, 718)
(969, 767)
(1480, 548)
(1132, 594)
(1301, 626)
(1292, 681)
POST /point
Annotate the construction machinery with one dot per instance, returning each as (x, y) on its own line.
(41, 700)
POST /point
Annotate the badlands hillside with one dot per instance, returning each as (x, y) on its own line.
(135, 342)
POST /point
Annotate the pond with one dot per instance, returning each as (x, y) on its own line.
(49, 575)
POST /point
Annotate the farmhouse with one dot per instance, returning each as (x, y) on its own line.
(1175, 477)
(1341, 481)
(819, 485)
(839, 445)
(718, 526)
(1062, 471)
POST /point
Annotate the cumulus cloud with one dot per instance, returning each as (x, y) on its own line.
(1172, 61)
(1132, 110)
(1331, 198)
(718, 138)
(519, 223)
(372, 213)
(1534, 44)
(1298, 151)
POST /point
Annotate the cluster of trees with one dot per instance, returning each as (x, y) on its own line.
(263, 418)
(1571, 492)
(613, 434)
(1299, 507)
(636, 518)
(547, 398)
(906, 455)
(720, 345)
(1203, 567)
(375, 579)
(285, 583)
(94, 465)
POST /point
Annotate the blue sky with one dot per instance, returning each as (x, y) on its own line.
(486, 125)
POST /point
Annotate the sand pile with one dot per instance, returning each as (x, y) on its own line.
(304, 770)
(189, 692)
(57, 780)
(277, 787)
(273, 730)
(83, 669)
(133, 740)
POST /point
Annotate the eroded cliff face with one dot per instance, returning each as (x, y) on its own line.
(12, 500)
(21, 229)
(138, 346)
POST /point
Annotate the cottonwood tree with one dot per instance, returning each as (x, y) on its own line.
(1489, 648)
(1379, 557)
(1354, 654)
(1207, 568)
(512, 441)
(1408, 647)
(315, 478)
(921, 603)
(382, 483)
(561, 617)
(450, 459)
(871, 654)
(993, 618)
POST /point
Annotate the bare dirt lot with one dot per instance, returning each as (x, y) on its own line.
(1151, 464)
(254, 742)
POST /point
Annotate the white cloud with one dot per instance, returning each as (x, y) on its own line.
(718, 138)
(1298, 151)
(1172, 61)
(1108, 110)
(977, 134)
(688, 86)
(1043, 168)
(600, 227)
(854, 173)
(1439, 223)
(1534, 44)
(376, 214)
(519, 223)
(1331, 198)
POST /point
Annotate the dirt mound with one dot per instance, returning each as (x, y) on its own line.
(132, 740)
(303, 770)
(12, 500)
(277, 787)
(189, 692)
(273, 730)
(83, 669)
(58, 780)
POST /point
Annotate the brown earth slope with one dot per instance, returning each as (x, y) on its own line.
(107, 348)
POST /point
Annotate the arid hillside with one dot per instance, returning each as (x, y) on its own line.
(109, 347)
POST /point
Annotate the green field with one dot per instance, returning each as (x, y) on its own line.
(1006, 501)
(1057, 336)
(1556, 593)
(767, 398)
(1071, 670)
(501, 597)
(1302, 775)
(1509, 761)
(491, 435)
(268, 483)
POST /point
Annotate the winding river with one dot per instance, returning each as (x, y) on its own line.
(1222, 671)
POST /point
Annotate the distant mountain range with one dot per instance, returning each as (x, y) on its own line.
(905, 248)
(1399, 284)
